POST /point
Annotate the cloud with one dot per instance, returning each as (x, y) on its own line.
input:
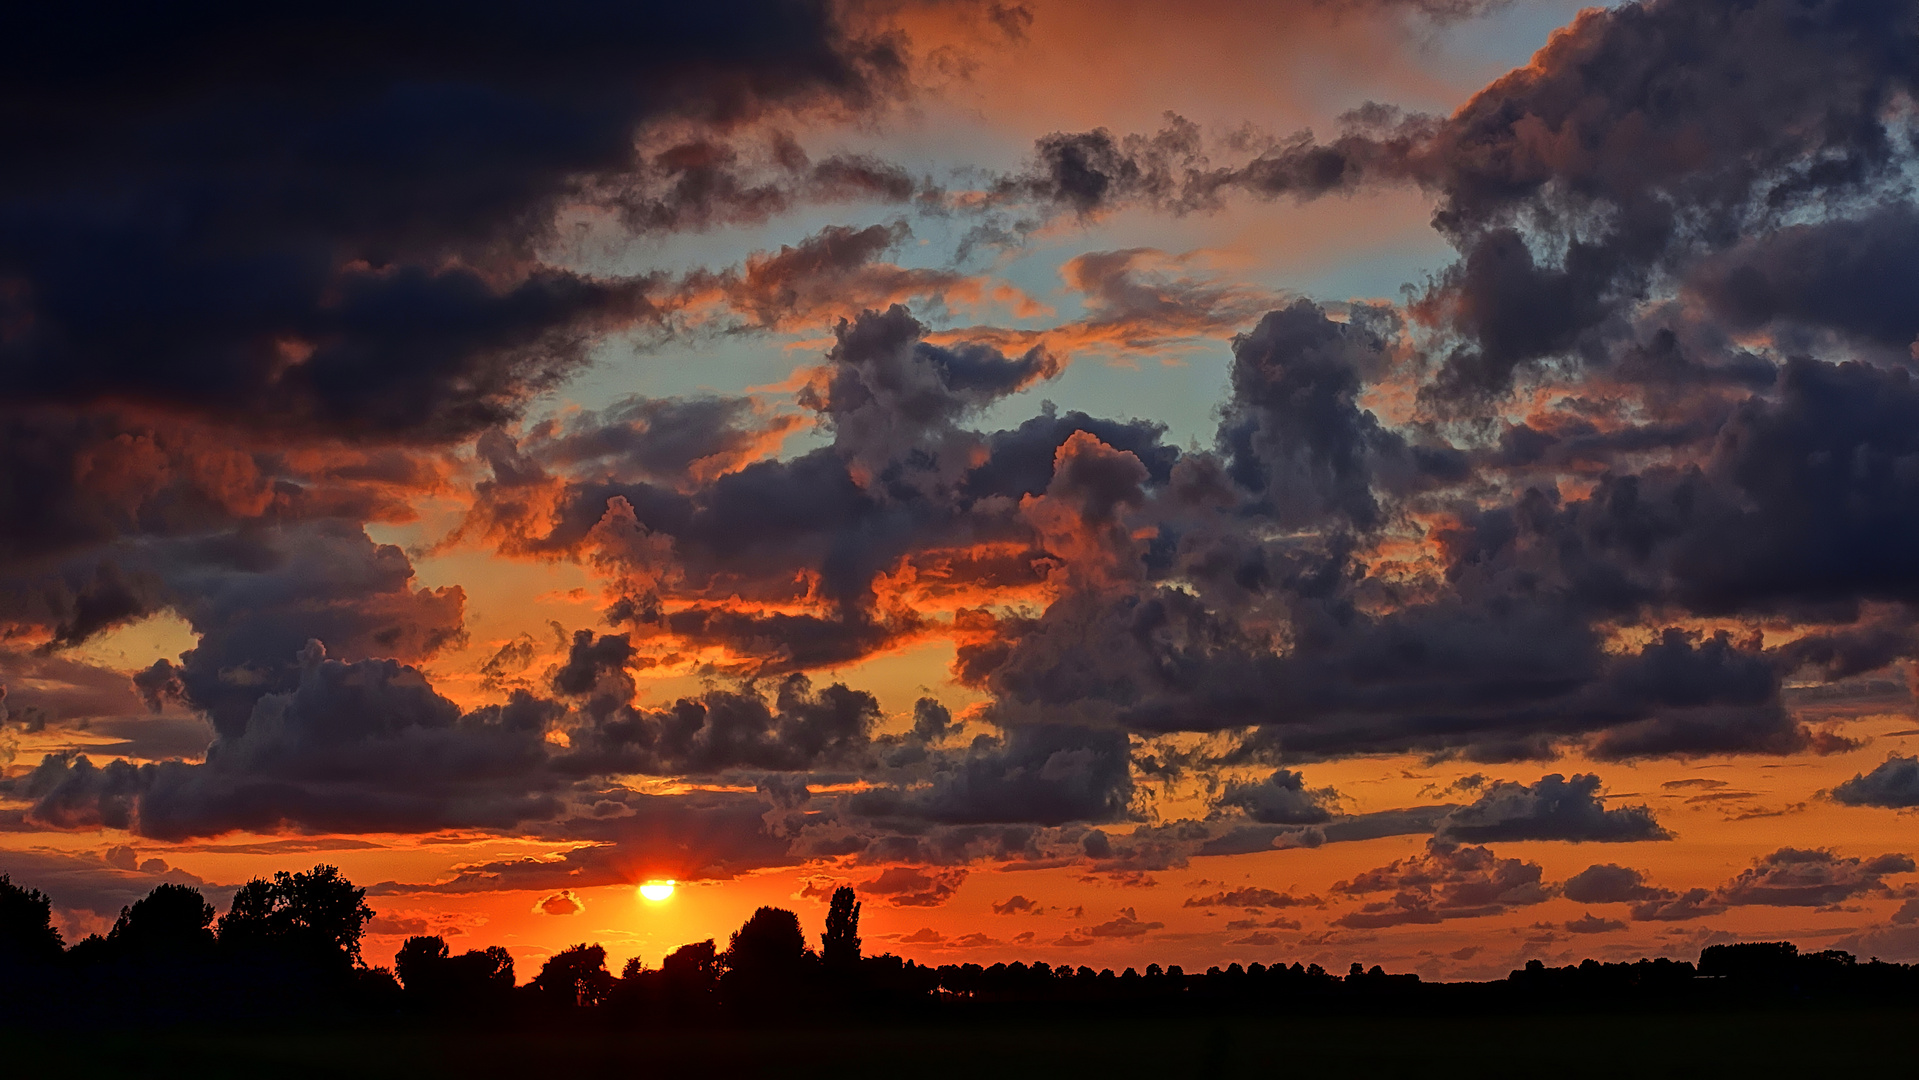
(835, 271)
(1446, 881)
(1016, 905)
(1127, 924)
(699, 836)
(1047, 775)
(913, 886)
(1553, 808)
(799, 728)
(373, 278)
(1280, 799)
(1788, 877)
(1894, 783)
(1608, 883)
(370, 746)
(564, 902)
(1795, 877)
(1251, 896)
(101, 883)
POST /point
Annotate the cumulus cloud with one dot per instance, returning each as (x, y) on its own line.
(1047, 775)
(1788, 877)
(1446, 881)
(1894, 783)
(1280, 799)
(1553, 808)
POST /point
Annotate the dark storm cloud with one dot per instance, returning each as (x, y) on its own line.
(257, 597)
(1639, 137)
(1856, 276)
(272, 242)
(893, 400)
(1894, 783)
(799, 728)
(1506, 681)
(368, 746)
(297, 280)
(1771, 522)
(1280, 799)
(353, 747)
(1554, 808)
(1046, 774)
(1293, 435)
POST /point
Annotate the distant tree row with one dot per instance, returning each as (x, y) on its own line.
(290, 946)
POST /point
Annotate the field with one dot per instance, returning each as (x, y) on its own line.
(1802, 1042)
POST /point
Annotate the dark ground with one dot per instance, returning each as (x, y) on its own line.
(1802, 1042)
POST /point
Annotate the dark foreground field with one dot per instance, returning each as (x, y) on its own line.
(1800, 1042)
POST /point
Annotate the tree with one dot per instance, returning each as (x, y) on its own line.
(575, 976)
(484, 970)
(766, 958)
(172, 919)
(840, 944)
(769, 941)
(27, 933)
(691, 972)
(419, 963)
(432, 975)
(317, 915)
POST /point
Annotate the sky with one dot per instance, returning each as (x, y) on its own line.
(1427, 482)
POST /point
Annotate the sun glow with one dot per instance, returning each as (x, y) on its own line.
(657, 891)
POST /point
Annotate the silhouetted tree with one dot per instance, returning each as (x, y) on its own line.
(690, 974)
(317, 916)
(172, 920)
(769, 942)
(840, 944)
(1750, 960)
(765, 960)
(27, 933)
(575, 976)
(485, 970)
(419, 963)
(436, 979)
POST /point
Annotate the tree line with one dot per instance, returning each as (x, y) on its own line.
(289, 947)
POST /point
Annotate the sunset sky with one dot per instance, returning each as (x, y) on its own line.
(1428, 482)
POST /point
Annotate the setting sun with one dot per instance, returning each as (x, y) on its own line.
(657, 891)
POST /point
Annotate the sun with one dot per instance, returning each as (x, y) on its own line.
(657, 891)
